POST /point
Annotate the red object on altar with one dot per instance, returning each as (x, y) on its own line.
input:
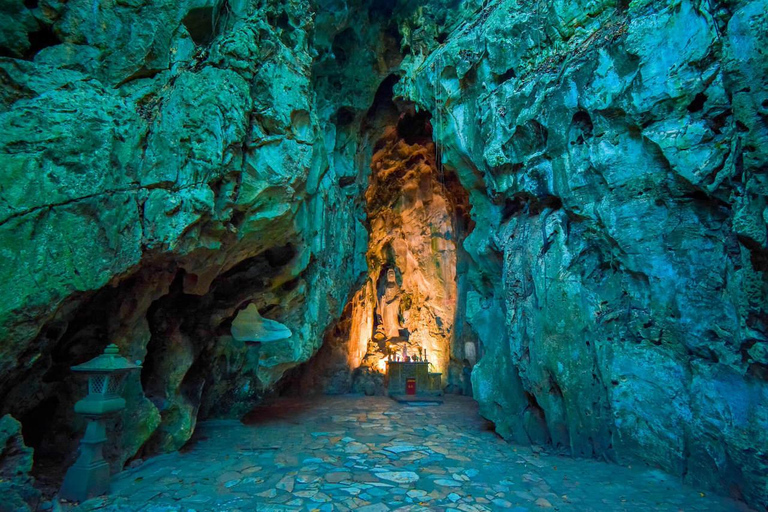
(410, 386)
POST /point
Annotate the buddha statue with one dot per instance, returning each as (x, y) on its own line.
(389, 306)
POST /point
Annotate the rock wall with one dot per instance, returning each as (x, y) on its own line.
(166, 164)
(407, 304)
(15, 467)
(614, 153)
(416, 218)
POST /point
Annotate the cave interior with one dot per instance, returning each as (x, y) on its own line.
(351, 254)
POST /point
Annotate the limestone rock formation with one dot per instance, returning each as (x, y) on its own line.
(614, 157)
(595, 173)
(414, 230)
(164, 164)
(15, 468)
(407, 303)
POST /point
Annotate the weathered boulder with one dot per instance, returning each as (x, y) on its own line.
(15, 468)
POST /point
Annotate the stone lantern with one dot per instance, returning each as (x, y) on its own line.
(89, 475)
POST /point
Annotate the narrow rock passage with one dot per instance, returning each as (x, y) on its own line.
(373, 454)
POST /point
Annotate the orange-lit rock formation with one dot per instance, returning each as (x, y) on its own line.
(412, 227)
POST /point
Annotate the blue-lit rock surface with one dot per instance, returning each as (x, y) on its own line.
(615, 159)
(164, 164)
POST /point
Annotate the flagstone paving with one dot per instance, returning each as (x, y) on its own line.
(372, 454)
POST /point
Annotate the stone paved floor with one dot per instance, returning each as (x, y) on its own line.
(372, 454)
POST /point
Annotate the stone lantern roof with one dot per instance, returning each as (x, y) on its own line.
(108, 362)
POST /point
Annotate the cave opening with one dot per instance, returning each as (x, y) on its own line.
(178, 330)
(42, 38)
(200, 25)
(405, 309)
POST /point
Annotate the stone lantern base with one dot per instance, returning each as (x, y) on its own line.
(84, 482)
(89, 475)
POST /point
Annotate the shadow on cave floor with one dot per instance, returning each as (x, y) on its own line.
(290, 409)
(354, 452)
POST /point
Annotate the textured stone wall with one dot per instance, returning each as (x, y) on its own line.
(165, 164)
(614, 154)
(417, 219)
